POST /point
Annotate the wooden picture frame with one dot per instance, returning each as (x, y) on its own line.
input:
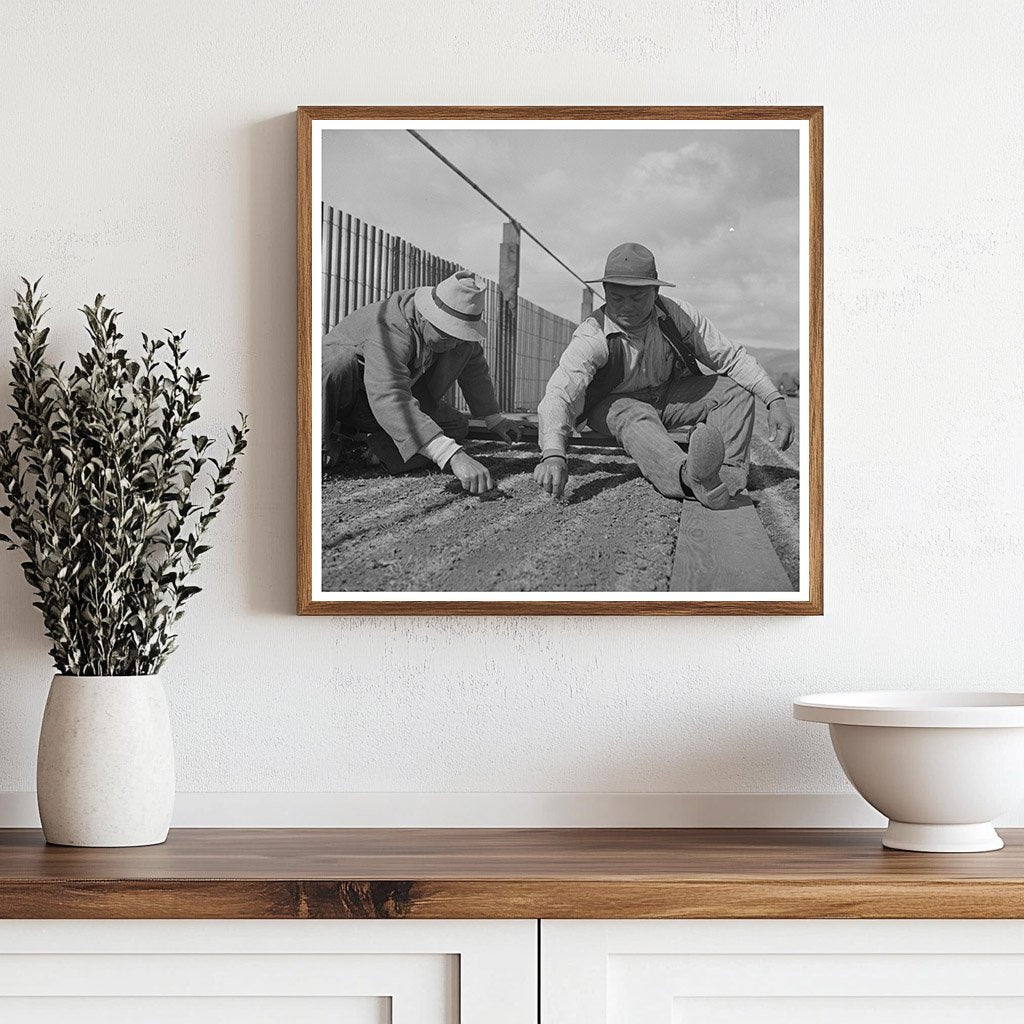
(808, 598)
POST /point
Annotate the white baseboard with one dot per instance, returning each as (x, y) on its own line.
(495, 810)
(504, 810)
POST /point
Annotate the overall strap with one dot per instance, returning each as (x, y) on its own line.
(608, 376)
(682, 344)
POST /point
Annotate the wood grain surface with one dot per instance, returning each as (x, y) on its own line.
(306, 117)
(727, 550)
(507, 873)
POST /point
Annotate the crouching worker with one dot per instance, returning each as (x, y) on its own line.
(387, 366)
(632, 370)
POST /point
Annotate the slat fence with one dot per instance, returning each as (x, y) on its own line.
(361, 263)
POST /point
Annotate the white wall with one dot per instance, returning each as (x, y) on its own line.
(147, 151)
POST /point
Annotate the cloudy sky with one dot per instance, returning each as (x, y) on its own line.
(719, 209)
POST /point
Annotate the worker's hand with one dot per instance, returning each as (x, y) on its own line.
(551, 475)
(473, 477)
(508, 430)
(780, 426)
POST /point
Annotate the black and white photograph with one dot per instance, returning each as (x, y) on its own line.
(560, 360)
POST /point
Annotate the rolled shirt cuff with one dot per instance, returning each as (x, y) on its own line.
(440, 450)
(766, 391)
(493, 420)
(553, 443)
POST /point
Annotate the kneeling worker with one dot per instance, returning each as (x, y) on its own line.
(631, 370)
(385, 370)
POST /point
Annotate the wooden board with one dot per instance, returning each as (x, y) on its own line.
(508, 873)
(725, 551)
(585, 439)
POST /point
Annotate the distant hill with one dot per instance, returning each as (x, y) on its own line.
(781, 364)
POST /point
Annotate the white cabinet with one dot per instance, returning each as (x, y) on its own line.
(486, 972)
(258, 972)
(782, 972)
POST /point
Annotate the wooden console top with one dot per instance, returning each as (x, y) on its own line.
(508, 873)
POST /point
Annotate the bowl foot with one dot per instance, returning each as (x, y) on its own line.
(979, 838)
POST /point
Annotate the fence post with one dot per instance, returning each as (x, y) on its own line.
(326, 252)
(337, 244)
(508, 282)
(587, 306)
(346, 292)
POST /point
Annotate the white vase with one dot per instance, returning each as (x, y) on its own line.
(105, 771)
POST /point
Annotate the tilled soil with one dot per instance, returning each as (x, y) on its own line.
(774, 487)
(612, 531)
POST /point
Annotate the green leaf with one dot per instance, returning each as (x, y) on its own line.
(97, 470)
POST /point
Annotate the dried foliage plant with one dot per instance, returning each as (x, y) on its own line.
(108, 494)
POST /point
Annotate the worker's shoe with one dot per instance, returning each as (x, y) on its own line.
(383, 449)
(700, 473)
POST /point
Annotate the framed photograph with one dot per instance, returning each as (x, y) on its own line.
(559, 360)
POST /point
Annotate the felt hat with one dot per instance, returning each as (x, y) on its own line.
(455, 306)
(631, 264)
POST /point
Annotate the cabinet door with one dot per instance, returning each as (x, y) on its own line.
(782, 972)
(258, 972)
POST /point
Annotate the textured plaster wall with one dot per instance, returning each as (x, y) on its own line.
(148, 152)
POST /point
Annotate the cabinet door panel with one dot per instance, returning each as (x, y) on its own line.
(342, 972)
(847, 1010)
(727, 972)
(188, 1010)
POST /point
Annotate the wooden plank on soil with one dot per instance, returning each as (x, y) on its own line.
(726, 550)
(590, 439)
(478, 431)
(587, 438)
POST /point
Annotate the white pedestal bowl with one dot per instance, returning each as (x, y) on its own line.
(940, 766)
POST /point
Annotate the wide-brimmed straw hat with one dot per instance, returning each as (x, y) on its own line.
(455, 306)
(631, 264)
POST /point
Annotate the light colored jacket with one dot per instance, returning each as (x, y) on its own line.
(387, 339)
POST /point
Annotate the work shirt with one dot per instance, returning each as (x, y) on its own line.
(649, 359)
(648, 362)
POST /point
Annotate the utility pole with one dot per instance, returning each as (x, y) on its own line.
(508, 315)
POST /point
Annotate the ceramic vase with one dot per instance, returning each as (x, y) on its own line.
(105, 771)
